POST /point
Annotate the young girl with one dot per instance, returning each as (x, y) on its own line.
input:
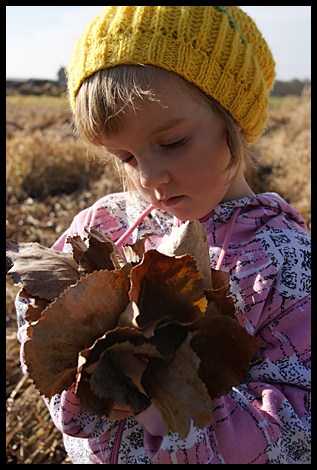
(177, 95)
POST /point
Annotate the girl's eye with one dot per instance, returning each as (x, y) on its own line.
(128, 160)
(174, 145)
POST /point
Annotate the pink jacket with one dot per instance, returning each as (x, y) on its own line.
(265, 419)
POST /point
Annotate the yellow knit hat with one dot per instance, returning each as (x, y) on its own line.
(217, 48)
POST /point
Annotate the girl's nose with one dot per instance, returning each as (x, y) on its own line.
(153, 175)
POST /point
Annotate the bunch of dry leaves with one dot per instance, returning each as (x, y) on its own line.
(91, 308)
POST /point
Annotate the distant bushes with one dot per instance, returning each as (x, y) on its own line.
(34, 87)
(293, 87)
(58, 87)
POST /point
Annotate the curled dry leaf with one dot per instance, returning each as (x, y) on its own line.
(177, 391)
(97, 391)
(35, 306)
(166, 306)
(42, 272)
(219, 300)
(101, 382)
(189, 238)
(95, 252)
(167, 288)
(225, 350)
(71, 323)
(134, 253)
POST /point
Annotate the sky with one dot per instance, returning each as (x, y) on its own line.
(40, 39)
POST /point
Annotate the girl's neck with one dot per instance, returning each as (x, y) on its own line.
(238, 189)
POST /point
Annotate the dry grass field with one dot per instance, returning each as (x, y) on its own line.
(51, 176)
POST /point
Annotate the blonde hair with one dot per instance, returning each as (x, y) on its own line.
(104, 96)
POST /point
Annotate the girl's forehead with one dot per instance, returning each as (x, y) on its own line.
(167, 87)
(170, 101)
(147, 120)
(170, 110)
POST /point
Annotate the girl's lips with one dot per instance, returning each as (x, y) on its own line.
(172, 201)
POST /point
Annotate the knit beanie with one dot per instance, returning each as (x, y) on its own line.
(217, 48)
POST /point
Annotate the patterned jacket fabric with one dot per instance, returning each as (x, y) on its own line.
(265, 419)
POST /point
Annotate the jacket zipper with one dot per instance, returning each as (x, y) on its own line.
(116, 446)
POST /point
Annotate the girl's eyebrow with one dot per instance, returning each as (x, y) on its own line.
(167, 125)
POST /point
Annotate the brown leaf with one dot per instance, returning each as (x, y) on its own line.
(103, 387)
(220, 280)
(79, 247)
(177, 391)
(35, 308)
(129, 318)
(117, 335)
(83, 313)
(225, 350)
(215, 357)
(167, 288)
(190, 238)
(135, 252)
(220, 302)
(42, 272)
(101, 384)
(94, 253)
(167, 339)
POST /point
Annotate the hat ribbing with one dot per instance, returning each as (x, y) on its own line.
(217, 48)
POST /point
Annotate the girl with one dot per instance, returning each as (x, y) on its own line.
(177, 95)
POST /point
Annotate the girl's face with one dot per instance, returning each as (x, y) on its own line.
(175, 153)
